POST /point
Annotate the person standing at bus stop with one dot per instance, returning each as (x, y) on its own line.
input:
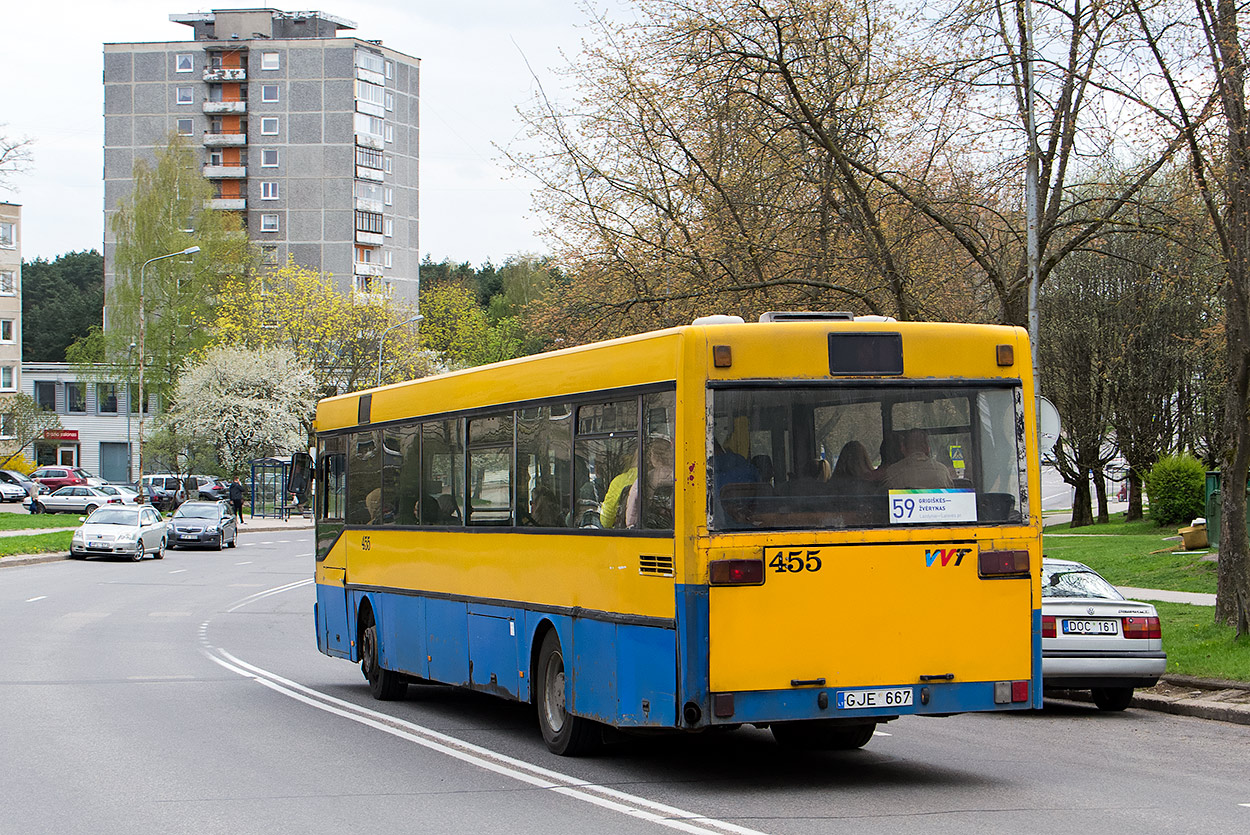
(236, 498)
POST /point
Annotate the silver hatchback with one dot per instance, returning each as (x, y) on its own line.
(1093, 639)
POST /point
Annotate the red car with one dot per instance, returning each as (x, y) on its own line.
(54, 478)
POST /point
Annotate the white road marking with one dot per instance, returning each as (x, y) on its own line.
(179, 571)
(534, 775)
(33, 599)
(249, 562)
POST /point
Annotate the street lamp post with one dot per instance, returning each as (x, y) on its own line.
(382, 339)
(130, 454)
(191, 250)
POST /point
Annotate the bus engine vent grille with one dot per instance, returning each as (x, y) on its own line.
(661, 566)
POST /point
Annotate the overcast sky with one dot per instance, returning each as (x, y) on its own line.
(474, 75)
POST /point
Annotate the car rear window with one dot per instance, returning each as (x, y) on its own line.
(1069, 581)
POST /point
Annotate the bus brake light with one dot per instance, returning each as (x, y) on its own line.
(1003, 564)
(735, 572)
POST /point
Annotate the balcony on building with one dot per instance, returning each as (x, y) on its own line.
(225, 74)
(228, 204)
(363, 268)
(364, 204)
(218, 140)
(369, 238)
(225, 172)
(369, 140)
(374, 174)
(225, 107)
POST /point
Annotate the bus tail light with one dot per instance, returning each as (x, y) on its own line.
(735, 572)
(1048, 626)
(1140, 627)
(1010, 692)
(1003, 563)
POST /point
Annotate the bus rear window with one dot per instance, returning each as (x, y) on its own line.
(877, 456)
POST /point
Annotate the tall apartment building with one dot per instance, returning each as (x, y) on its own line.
(10, 299)
(311, 137)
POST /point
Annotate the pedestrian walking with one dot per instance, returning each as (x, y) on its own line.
(236, 498)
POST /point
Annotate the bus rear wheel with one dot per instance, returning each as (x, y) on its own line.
(565, 734)
(818, 736)
(384, 685)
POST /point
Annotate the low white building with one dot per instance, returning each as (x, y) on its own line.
(99, 420)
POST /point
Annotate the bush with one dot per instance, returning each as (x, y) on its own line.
(1175, 487)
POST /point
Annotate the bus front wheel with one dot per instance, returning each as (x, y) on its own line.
(565, 734)
(817, 736)
(385, 685)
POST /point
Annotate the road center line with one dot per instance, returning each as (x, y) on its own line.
(33, 599)
(484, 758)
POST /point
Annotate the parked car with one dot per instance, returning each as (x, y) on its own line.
(21, 480)
(56, 477)
(1093, 639)
(127, 530)
(11, 492)
(127, 494)
(163, 492)
(92, 481)
(203, 523)
(207, 488)
(78, 498)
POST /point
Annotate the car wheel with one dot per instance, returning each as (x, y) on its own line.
(1112, 698)
(160, 550)
(564, 733)
(138, 554)
(90, 509)
(233, 541)
(219, 543)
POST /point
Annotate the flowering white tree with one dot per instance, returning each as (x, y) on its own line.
(246, 404)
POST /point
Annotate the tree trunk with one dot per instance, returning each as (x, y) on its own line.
(1100, 488)
(1134, 497)
(1082, 514)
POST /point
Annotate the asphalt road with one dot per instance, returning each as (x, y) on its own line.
(187, 695)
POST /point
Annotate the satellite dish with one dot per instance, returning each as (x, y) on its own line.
(1047, 425)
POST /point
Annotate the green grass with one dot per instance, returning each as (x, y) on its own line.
(1197, 646)
(36, 544)
(32, 521)
(1127, 555)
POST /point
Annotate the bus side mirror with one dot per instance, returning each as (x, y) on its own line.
(301, 474)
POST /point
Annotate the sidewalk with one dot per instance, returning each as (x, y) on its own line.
(250, 525)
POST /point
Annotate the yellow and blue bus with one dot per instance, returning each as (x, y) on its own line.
(813, 523)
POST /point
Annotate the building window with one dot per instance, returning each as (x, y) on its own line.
(6, 425)
(7, 236)
(8, 332)
(8, 283)
(269, 158)
(369, 61)
(371, 93)
(390, 100)
(7, 378)
(185, 95)
(390, 69)
(45, 395)
(269, 92)
(75, 397)
(366, 190)
(268, 191)
(386, 258)
(132, 397)
(367, 124)
(269, 223)
(364, 255)
(389, 197)
(386, 165)
(185, 126)
(388, 226)
(270, 60)
(184, 62)
(368, 157)
(368, 222)
(390, 133)
(106, 398)
(269, 126)
(268, 256)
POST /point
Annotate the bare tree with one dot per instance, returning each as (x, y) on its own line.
(15, 158)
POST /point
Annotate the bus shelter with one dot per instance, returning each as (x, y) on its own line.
(268, 488)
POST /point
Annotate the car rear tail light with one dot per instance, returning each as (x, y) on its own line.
(1141, 627)
(735, 572)
(114, 501)
(1048, 626)
(1003, 563)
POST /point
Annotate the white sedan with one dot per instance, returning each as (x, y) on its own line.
(1093, 639)
(128, 531)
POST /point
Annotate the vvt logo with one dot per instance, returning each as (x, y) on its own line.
(945, 555)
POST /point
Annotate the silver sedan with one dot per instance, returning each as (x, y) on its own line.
(130, 531)
(1093, 639)
(74, 499)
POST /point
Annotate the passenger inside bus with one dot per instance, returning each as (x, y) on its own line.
(917, 469)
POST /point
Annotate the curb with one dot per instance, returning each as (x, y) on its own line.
(1201, 698)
